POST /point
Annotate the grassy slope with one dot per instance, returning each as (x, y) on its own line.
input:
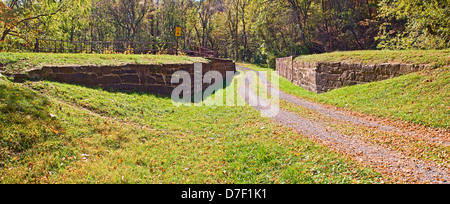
(16, 62)
(142, 138)
(421, 98)
(438, 58)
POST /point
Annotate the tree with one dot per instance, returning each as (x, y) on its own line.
(128, 14)
(205, 10)
(250, 30)
(15, 13)
(23, 20)
(7, 17)
(244, 4)
(415, 24)
(273, 31)
(301, 10)
(232, 10)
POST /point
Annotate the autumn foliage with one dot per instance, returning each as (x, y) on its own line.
(7, 18)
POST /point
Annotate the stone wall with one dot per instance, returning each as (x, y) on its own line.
(321, 77)
(304, 74)
(132, 77)
(284, 67)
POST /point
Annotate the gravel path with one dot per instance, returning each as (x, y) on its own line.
(401, 167)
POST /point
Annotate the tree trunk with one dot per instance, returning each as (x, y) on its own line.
(244, 56)
(237, 30)
(326, 26)
(356, 38)
(4, 34)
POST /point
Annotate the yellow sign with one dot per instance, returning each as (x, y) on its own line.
(178, 31)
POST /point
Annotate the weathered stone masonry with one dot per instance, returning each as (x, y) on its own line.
(132, 77)
(321, 77)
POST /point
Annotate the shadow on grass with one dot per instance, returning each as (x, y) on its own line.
(190, 97)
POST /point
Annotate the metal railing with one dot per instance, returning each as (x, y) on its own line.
(65, 46)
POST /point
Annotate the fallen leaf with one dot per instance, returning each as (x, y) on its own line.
(30, 166)
(54, 131)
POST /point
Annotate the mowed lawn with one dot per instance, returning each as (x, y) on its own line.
(59, 133)
(436, 58)
(17, 62)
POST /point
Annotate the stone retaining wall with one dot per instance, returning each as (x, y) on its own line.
(132, 77)
(321, 77)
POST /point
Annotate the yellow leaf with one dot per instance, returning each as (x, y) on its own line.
(56, 132)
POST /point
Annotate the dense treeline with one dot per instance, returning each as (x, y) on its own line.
(245, 30)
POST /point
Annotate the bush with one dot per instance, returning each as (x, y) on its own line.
(415, 24)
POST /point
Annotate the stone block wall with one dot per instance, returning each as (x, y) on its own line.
(132, 77)
(304, 74)
(321, 77)
(284, 67)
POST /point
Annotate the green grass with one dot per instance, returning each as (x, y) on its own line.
(437, 58)
(422, 98)
(113, 137)
(412, 146)
(18, 62)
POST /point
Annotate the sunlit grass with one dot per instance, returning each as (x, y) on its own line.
(97, 136)
(422, 98)
(437, 58)
(17, 62)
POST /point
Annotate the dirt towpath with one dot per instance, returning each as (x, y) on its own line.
(402, 166)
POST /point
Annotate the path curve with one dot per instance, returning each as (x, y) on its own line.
(402, 168)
